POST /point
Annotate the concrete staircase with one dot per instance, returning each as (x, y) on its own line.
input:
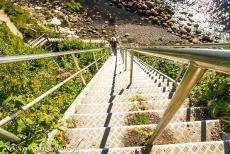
(101, 118)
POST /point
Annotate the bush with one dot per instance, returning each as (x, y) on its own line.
(75, 6)
(213, 91)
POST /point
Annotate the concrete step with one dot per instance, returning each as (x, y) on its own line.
(123, 106)
(129, 91)
(211, 147)
(38, 42)
(111, 137)
(128, 97)
(135, 117)
(133, 86)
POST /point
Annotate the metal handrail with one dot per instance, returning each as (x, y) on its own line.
(9, 59)
(206, 58)
(199, 61)
(203, 45)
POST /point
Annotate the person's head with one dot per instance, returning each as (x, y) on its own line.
(113, 39)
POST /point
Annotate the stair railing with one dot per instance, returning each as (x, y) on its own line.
(198, 60)
(10, 59)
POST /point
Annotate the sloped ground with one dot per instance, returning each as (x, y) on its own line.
(4, 18)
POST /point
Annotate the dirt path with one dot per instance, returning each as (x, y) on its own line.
(4, 18)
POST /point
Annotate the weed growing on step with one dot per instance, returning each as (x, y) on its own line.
(140, 106)
(142, 118)
(215, 132)
(141, 136)
(137, 98)
(73, 123)
(60, 139)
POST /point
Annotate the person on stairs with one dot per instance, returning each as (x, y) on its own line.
(113, 45)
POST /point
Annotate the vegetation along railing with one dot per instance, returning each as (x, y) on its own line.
(198, 60)
(9, 59)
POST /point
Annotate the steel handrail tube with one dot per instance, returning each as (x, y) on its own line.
(8, 135)
(10, 59)
(205, 58)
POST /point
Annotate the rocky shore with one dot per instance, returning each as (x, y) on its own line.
(160, 13)
(107, 18)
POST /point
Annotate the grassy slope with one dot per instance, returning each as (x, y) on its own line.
(21, 82)
(23, 20)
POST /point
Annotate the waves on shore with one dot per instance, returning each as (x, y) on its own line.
(213, 16)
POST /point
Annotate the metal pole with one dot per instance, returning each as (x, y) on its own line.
(175, 84)
(179, 73)
(131, 67)
(126, 55)
(189, 81)
(78, 69)
(8, 136)
(94, 57)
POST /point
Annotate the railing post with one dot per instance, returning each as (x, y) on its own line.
(9, 136)
(131, 67)
(94, 57)
(122, 55)
(126, 55)
(189, 81)
(78, 69)
(182, 66)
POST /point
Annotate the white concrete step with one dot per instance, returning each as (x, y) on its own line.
(127, 97)
(150, 90)
(127, 118)
(211, 147)
(103, 107)
(114, 137)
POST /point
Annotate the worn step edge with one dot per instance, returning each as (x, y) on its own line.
(124, 106)
(129, 97)
(121, 118)
(183, 132)
(210, 147)
(147, 90)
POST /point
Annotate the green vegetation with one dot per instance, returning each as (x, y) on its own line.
(22, 82)
(165, 67)
(137, 137)
(74, 6)
(26, 23)
(60, 139)
(137, 98)
(140, 106)
(144, 118)
(213, 91)
(138, 119)
(73, 123)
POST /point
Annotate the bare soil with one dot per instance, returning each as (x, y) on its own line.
(146, 34)
(135, 138)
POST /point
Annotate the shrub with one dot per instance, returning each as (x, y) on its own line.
(75, 6)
